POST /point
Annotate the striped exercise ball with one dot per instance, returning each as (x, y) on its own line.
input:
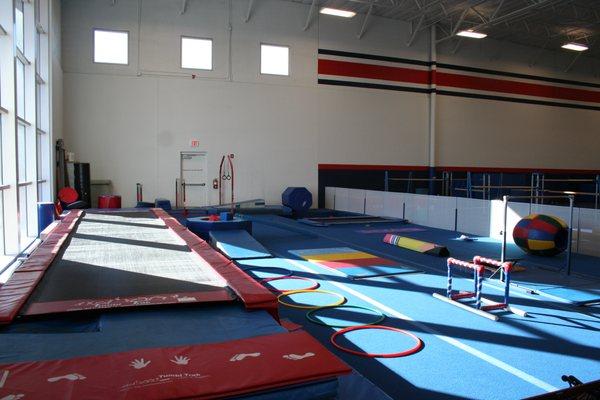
(541, 235)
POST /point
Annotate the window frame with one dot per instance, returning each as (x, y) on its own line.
(289, 57)
(94, 30)
(212, 53)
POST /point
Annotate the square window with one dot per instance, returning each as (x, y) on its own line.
(274, 60)
(196, 53)
(111, 47)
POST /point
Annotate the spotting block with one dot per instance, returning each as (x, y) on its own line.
(416, 245)
(238, 244)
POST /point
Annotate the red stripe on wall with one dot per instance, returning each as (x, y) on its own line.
(369, 71)
(425, 77)
(516, 87)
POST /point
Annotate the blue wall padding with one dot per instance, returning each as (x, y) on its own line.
(165, 204)
(299, 199)
(45, 215)
(238, 244)
(201, 226)
(144, 204)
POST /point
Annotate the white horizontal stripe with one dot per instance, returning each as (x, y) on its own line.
(396, 64)
(516, 96)
(374, 81)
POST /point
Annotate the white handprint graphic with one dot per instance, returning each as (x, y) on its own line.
(180, 360)
(139, 364)
(296, 357)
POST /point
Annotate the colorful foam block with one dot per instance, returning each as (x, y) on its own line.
(416, 245)
(354, 263)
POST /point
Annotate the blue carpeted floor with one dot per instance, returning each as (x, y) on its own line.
(465, 355)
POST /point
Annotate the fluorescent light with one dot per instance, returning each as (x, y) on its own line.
(337, 13)
(575, 46)
(471, 34)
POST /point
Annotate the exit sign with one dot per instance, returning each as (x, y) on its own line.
(194, 143)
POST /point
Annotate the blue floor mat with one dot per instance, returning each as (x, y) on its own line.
(110, 332)
(553, 340)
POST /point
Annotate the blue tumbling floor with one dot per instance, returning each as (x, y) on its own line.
(464, 355)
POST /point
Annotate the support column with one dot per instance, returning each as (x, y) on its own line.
(432, 108)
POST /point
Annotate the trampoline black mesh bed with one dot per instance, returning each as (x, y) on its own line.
(98, 260)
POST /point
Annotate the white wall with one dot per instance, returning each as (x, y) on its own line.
(130, 122)
(505, 134)
(484, 133)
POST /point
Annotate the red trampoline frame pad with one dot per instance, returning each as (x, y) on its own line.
(252, 293)
(204, 371)
(412, 350)
(15, 292)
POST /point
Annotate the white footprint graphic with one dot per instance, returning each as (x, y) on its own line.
(139, 364)
(240, 357)
(69, 377)
(296, 357)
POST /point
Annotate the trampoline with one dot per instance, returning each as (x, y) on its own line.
(98, 260)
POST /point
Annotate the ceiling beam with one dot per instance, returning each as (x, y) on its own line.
(415, 31)
(249, 10)
(184, 4)
(506, 17)
(365, 21)
(310, 15)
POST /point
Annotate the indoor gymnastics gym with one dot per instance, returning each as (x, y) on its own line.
(299, 199)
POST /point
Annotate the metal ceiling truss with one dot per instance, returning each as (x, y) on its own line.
(543, 24)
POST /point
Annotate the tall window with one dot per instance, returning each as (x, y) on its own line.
(25, 141)
(19, 25)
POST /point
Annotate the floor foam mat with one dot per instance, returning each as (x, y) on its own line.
(355, 264)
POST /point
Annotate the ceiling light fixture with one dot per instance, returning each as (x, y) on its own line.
(471, 34)
(337, 13)
(574, 46)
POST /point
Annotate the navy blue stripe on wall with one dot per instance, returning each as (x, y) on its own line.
(365, 179)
